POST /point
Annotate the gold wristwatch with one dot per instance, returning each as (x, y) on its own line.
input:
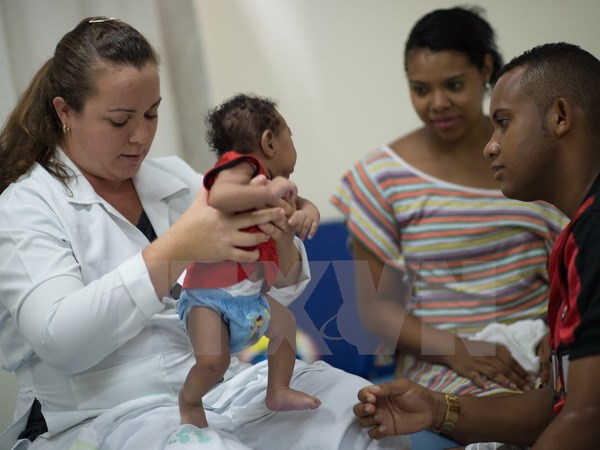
(452, 410)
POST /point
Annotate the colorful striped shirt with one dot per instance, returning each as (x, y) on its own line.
(472, 255)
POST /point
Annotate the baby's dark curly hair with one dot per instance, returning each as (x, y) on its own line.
(238, 123)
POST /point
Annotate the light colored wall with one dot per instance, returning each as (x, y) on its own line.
(336, 66)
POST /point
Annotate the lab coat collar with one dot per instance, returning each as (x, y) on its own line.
(153, 184)
(78, 190)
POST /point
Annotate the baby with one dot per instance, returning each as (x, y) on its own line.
(224, 306)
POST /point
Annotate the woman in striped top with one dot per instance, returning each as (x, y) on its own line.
(447, 253)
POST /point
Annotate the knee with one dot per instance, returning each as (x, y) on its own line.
(215, 365)
(283, 324)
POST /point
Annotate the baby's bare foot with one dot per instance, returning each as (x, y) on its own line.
(192, 413)
(288, 399)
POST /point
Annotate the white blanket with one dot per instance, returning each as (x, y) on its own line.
(238, 418)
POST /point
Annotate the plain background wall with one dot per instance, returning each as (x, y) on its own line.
(336, 68)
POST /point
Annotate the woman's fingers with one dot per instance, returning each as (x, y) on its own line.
(205, 234)
(508, 372)
(262, 216)
(479, 380)
(492, 369)
(241, 255)
(493, 362)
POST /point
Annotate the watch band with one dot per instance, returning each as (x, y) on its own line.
(452, 410)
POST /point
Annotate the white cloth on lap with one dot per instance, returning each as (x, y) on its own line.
(239, 419)
(520, 338)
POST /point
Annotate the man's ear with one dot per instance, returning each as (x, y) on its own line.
(267, 143)
(561, 116)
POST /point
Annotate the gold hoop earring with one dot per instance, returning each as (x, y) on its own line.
(66, 129)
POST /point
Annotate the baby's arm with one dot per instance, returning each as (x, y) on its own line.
(232, 190)
(305, 220)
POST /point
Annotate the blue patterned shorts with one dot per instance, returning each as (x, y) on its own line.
(246, 316)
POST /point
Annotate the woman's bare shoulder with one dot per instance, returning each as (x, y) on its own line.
(409, 145)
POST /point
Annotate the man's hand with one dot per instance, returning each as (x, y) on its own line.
(398, 407)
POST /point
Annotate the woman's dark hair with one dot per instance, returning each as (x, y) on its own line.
(33, 128)
(238, 123)
(461, 29)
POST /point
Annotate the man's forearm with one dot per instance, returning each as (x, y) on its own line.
(516, 419)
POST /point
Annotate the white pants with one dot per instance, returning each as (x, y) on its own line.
(238, 419)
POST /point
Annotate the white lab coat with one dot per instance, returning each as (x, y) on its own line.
(80, 323)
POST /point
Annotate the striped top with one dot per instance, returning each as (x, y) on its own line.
(472, 255)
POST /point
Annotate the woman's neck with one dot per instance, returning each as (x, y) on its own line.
(120, 195)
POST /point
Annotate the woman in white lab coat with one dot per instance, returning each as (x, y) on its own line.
(93, 236)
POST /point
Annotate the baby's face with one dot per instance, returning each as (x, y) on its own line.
(284, 161)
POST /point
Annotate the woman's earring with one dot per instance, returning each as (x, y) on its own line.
(66, 129)
(487, 86)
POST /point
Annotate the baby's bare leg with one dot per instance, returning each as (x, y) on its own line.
(281, 356)
(209, 337)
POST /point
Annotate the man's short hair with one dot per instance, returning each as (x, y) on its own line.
(556, 70)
